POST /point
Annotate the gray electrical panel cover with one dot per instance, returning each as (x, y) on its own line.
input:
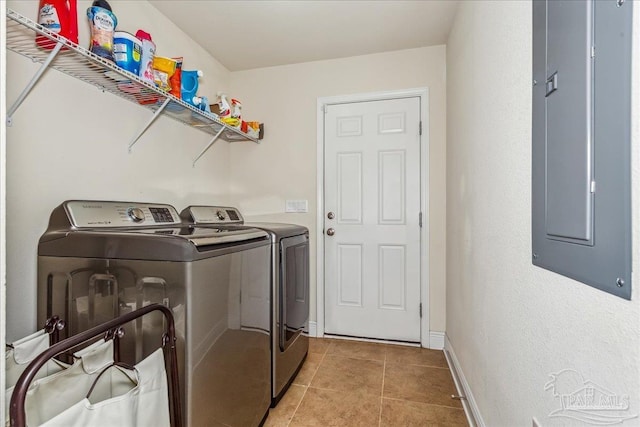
(581, 171)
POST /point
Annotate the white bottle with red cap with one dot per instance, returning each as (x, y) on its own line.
(146, 60)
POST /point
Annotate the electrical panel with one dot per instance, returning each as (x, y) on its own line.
(581, 141)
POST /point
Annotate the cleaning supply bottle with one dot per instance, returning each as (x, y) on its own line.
(189, 85)
(58, 16)
(175, 81)
(202, 103)
(148, 53)
(236, 109)
(224, 109)
(103, 24)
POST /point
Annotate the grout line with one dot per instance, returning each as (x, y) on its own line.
(384, 370)
(422, 366)
(298, 405)
(336, 390)
(424, 403)
(342, 356)
(306, 388)
(318, 367)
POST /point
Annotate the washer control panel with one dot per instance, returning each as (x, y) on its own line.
(214, 215)
(95, 214)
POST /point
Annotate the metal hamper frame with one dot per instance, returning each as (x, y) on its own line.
(17, 411)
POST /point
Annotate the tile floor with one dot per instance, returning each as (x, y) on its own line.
(352, 383)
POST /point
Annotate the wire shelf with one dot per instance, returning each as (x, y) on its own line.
(84, 65)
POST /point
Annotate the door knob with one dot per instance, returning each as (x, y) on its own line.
(331, 232)
(331, 215)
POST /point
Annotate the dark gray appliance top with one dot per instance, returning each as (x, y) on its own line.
(130, 230)
(211, 216)
(279, 230)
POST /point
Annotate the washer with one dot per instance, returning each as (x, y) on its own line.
(100, 259)
(290, 288)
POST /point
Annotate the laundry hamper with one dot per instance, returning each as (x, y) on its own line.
(22, 352)
(119, 395)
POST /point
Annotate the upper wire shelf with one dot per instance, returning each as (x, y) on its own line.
(65, 56)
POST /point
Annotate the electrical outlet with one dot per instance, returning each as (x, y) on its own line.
(296, 206)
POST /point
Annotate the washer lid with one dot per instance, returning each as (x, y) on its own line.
(199, 236)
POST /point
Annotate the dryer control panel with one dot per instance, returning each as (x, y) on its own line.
(213, 215)
(96, 214)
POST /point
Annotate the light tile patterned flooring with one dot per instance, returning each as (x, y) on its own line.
(352, 383)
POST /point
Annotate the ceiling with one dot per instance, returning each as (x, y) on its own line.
(262, 33)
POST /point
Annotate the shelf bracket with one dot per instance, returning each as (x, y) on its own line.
(32, 83)
(151, 120)
(208, 145)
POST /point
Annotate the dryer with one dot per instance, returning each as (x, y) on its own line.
(289, 288)
(100, 259)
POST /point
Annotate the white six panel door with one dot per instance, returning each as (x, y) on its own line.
(372, 187)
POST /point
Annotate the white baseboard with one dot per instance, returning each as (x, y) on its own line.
(313, 330)
(470, 406)
(436, 340)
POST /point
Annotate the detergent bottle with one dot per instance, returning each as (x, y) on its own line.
(189, 85)
(148, 53)
(103, 24)
(58, 16)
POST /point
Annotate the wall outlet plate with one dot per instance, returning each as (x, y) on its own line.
(296, 206)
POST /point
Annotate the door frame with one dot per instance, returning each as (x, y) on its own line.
(3, 198)
(423, 94)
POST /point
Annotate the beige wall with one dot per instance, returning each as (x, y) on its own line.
(509, 323)
(284, 165)
(69, 140)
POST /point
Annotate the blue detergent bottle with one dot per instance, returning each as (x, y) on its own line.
(189, 85)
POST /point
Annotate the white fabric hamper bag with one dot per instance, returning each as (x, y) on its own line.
(48, 396)
(122, 398)
(23, 352)
(17, 358)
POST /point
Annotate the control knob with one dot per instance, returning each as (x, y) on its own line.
(221, 216)
(136, 214)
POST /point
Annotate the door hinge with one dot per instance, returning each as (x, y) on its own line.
(593, 51)
(324, 108)
(420, 219)
(420, 309)
(420, 127)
